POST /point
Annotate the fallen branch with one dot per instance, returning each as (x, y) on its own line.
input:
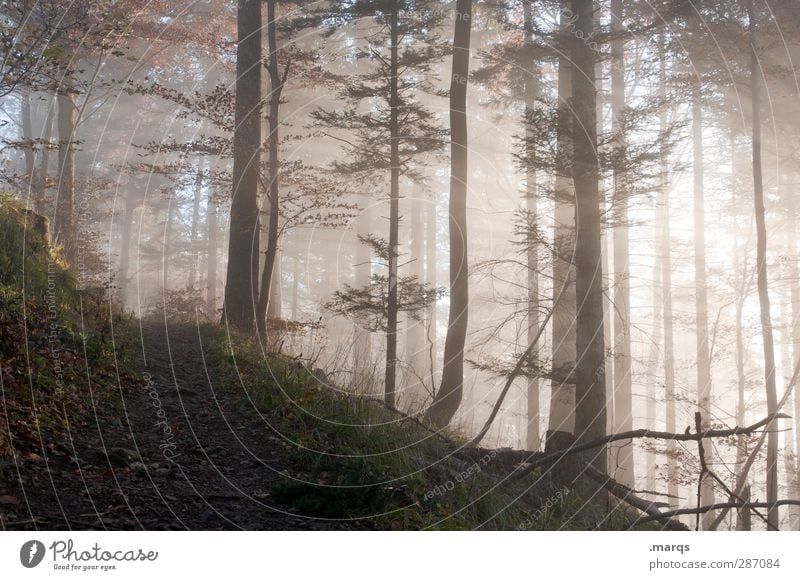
(717, 506)
(643, 433)
(627, 495)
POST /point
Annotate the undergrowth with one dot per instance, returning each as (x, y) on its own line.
(56, 352)
(354, 460)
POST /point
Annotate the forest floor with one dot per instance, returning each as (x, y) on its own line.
(174, 452)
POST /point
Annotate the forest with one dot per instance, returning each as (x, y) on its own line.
(399, 265)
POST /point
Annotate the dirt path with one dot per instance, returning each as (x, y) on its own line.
(179, 454)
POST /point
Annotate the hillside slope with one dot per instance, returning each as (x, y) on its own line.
(108, 422)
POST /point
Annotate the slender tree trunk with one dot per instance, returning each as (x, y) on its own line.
(701, 298)
(198, 191)
(763, 283)
(431, 278)
(794, 278)
(561, 423)
(532, 434)
(41, 173)
(271, 253)
(64, 217)
(212, 239)
(590, 398)
(665, 251)
(167, 248)
(362, 349)
(742, 290)
(654, 358)
(295, 284)
(621, 452)
(241, 283)
(742, 522)
(450, 393)
(27, 133)
(131, 203)
(390, 378)
(275, 304)
(416, 353)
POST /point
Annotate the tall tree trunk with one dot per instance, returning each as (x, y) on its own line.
(276, 89)
(590, 398)
(561, 422)
(64, 217)
(665, 250)
(621, 452)
(763, 284)
(532, 433)
(241, 281)
(448, 398)
(701, 298)
(794, 277)
(742, 290)
(390, 378)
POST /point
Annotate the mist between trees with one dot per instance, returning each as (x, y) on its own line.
(531, 224)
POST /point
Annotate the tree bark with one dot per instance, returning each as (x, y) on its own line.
(701, 298)
(763, 283)
(532, 432)
(665, 251)
(794, 297)
(39, 184)
(431, 278)
(211, 253)
(561, 423)
(273, 143)
(390, 377)
(64, 216)
(241, 281)
(590, 408)
(362, 347)
(621, 453)
(448, 398)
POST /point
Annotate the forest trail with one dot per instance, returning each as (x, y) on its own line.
(179, 453)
